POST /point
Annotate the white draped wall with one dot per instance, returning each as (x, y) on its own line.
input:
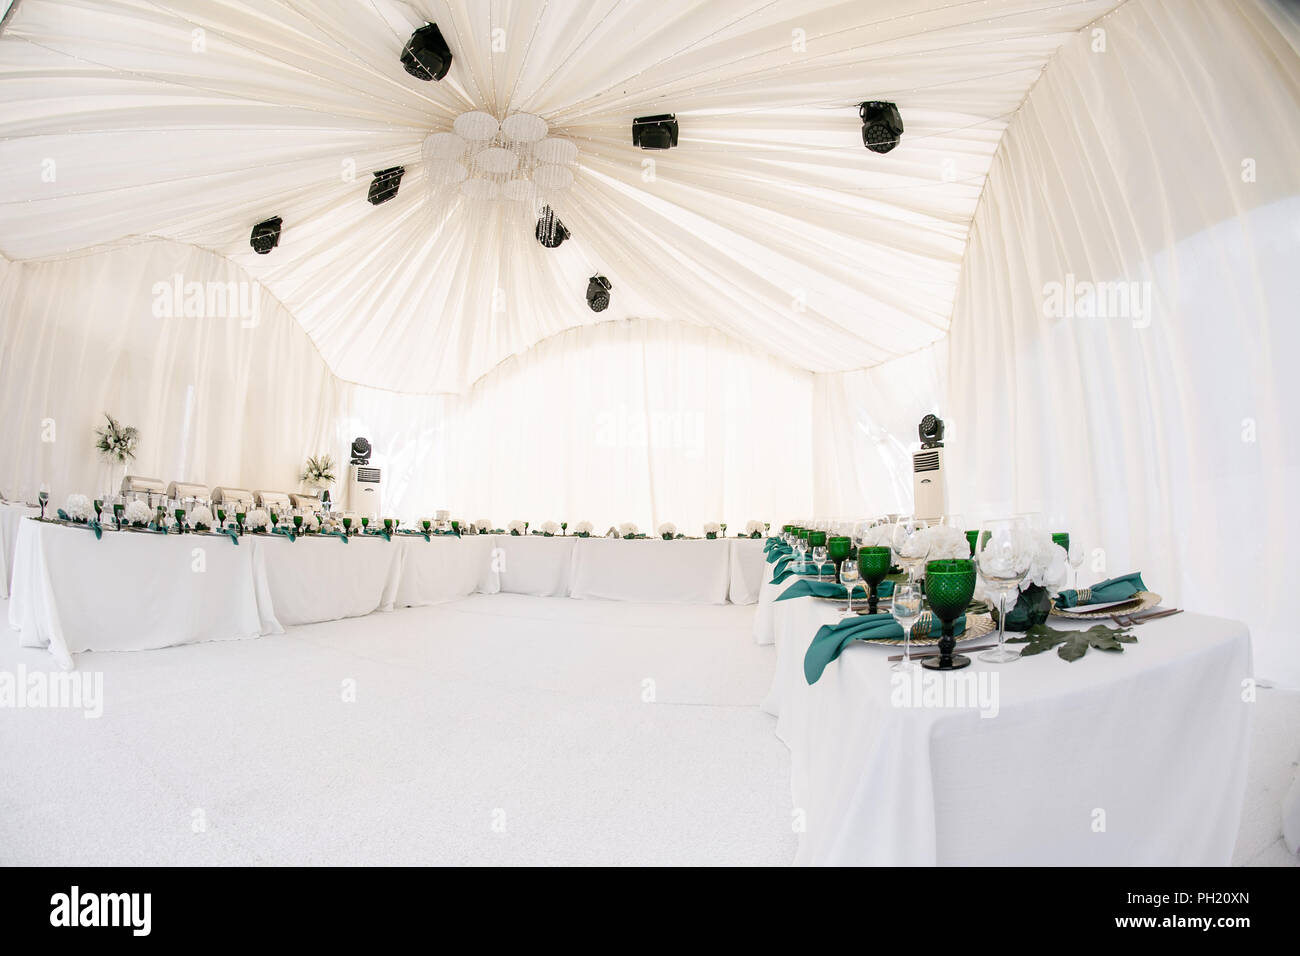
(1159, 435)
(222, 393)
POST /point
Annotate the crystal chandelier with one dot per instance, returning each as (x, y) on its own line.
(513, 160)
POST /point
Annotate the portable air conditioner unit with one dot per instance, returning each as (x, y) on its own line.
(929, 490)
(363, 490)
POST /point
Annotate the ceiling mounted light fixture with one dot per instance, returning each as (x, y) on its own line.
(516, 156)
(265, 235)
(598, 293)
(426, 55)
(550, 232)
(882, 125)
(655, 132)
(384, 186)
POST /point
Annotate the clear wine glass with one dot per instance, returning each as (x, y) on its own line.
(801, 549)
(1075, 556)
(1002, 555)
(911, 544)
(906, 610)
(43, 497)
(849, 577)
(819, 558)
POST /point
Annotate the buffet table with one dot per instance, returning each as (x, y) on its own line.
(134, 590)
(1132, 758)
(652, 571)
(323, 579)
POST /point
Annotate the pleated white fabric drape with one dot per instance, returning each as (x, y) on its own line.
(225, 387)
(1150, 417)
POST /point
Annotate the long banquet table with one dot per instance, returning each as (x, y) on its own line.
(136, 590)
(11, 516)
(1121, 758)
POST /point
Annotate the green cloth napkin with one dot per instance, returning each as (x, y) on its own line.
(777, 553)
(831, 639)
(784, 568)
(829, 589)
(1113, 589)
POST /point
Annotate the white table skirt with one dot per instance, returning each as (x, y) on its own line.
(131, 591)
(441, 569)
(327, 579)
(748, 570)
(533, 564)
(652, 570)
(11, 516)
(1132, 758)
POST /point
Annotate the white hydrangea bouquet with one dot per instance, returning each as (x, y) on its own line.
(201, 519)
(1047, 568)
(667, 531)
(517, 528)
(583, 529)
(257, 520)
(76, 508)
(137, 514)
(712, 529)
(627, 529)
(755, 529)
(550, 529)
(482, 525)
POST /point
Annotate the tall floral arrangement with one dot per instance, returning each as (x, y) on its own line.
(319, 471)
(116, 442)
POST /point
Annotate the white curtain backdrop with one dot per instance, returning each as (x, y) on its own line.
(1156, 430)
(225, 387)
(638, 420)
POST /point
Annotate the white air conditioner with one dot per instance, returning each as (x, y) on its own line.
(363, 490)
(929, 490)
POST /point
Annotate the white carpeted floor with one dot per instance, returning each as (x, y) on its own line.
(495, 730)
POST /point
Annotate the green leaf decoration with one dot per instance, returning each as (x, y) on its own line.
(1072, 645)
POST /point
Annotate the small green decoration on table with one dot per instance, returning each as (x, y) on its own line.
(564, 528)
(723, 526)
(1072, 645)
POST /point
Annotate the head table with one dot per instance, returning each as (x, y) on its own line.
(133, 590)
(11, 515)
(1129, 758)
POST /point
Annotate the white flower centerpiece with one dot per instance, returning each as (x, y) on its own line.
(137, 514)
(116, 444)
(550, 529)
(712, 529)
(755, 529)
(1047, 569)
(583, 529)
(627, 529)
(201, 519)
(667, 531)
(77, 508)
(257, 520)
(517, 528)
(318, 473)
(482, 525)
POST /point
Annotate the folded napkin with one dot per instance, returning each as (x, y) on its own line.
(1113, 589)
(831, 639)
(785, 568)
(780, 551)
(829, 589)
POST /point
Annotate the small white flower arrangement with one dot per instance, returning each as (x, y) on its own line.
(550, 529)
(483, 525)
(583, 529)
(257, 520)
(626, 530)
(880, 536)
(201, 519)
(517, 527)
(755, 529)
(137, 514)
(667, 530)
(1048, 562)
(712, 529)
(310, 523)
(77, 508)
(947, 542)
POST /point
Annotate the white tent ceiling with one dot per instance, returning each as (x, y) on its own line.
(123, 123)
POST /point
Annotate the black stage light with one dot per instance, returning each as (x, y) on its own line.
(931, 430)
(655, 132)
(882, 125)
(550, 232)
(265, 236)
(598, 293)
(426, 55)
(360, 451)
(384, 186)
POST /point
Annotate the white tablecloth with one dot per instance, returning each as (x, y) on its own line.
(533, 564)
(652, 570)
(132, 591)
(1132, 758)
(443, 568)
(10, 517)
(748, 569)
(327, 579)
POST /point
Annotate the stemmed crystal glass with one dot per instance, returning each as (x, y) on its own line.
(1002, 555)
(819, 558)
(43, 498)
(906, 611)
(1075, 556)
(911, 544)
(801, 547)
(849, 576)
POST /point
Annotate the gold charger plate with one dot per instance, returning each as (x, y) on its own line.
(1141, 602)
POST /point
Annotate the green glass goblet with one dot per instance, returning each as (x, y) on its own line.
(873, 565)
(347, 525)
(455, 527)
(949, 586)
(99, 506)
(972, 537)
(297, 522)
(1063, 539)
(837, 549)
(239, 520)
(388, 525)
(365, 523)
(117, 514)
(426, 524)
(221, 517)
(179, 515)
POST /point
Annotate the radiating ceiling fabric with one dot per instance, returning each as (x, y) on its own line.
(195, 119)
(1124, 336)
